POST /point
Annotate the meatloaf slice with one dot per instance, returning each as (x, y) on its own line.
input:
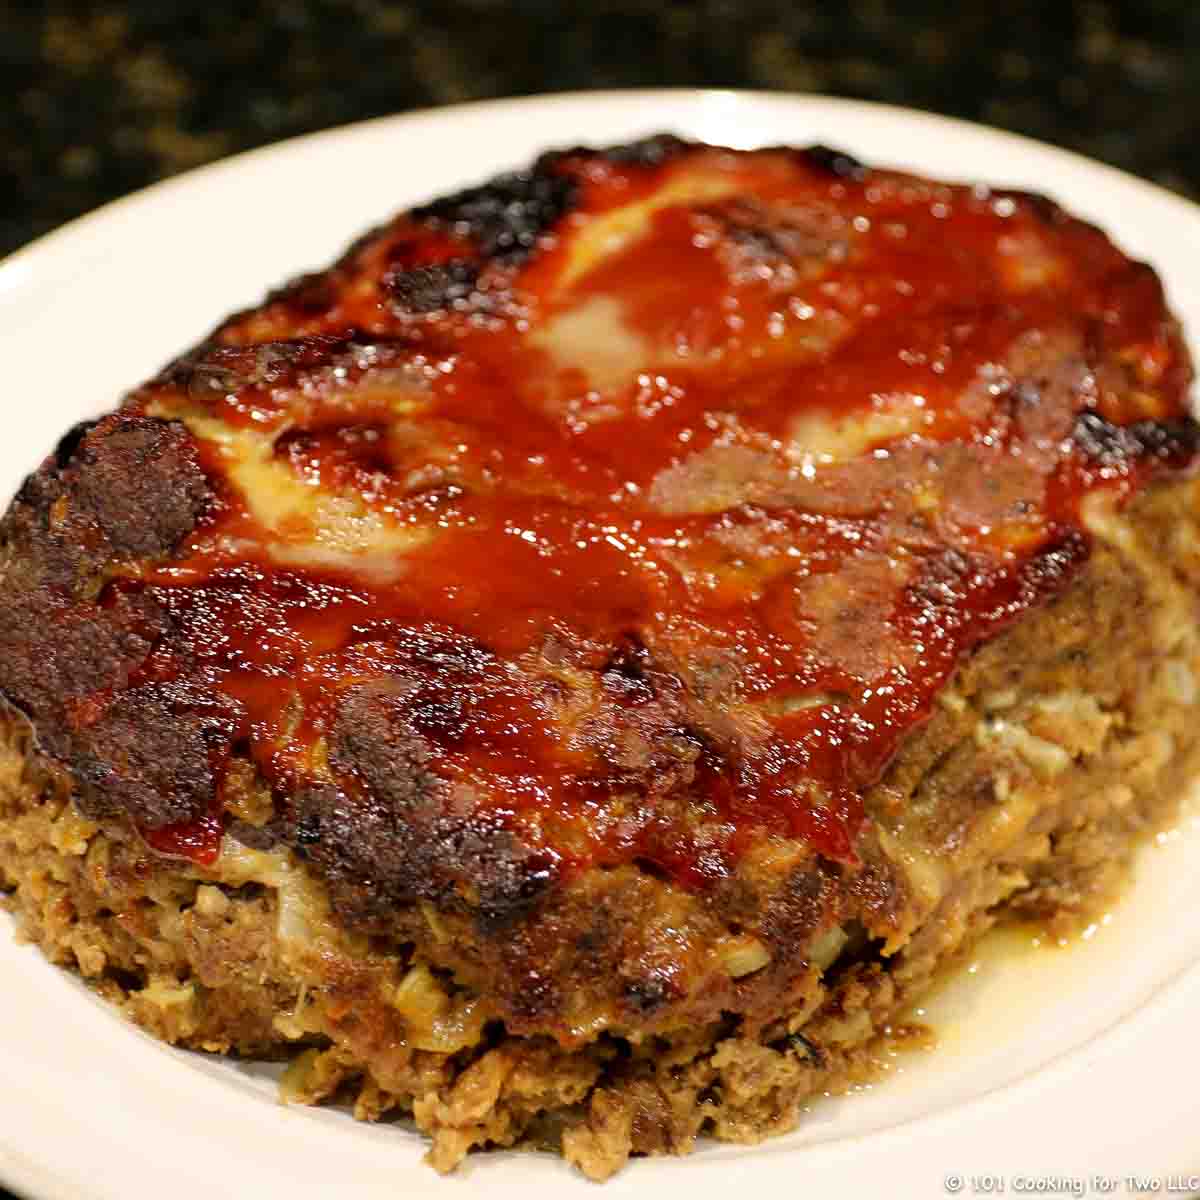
(575, 669)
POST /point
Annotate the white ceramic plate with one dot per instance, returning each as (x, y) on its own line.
(1055, 1066)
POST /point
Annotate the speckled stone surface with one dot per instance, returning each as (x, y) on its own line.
(99, 99)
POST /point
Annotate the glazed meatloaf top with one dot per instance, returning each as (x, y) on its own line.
(623, 514)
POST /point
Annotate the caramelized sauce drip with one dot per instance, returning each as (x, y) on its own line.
(791, 442)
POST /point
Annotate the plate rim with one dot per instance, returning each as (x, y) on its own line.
(26, 1173)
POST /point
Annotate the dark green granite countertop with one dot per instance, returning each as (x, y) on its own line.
(100, 99)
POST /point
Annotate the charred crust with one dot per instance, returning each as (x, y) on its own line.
(432, 288)
(376, 857)
(1042, 207)
(54, 655)
(138, 478)
(212, 371)
(355, 842)
(391, 830)
(506, 217)
(151, 755)
(70, 442)
(309, 294)
(321, 362)
(125, 487)
(650, 151)
(1052, 569)
(836, 163)
(510, 894)
(1175, 444)
(148, 754)
(372, 739)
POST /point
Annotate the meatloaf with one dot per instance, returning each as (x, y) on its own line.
(571, 672)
